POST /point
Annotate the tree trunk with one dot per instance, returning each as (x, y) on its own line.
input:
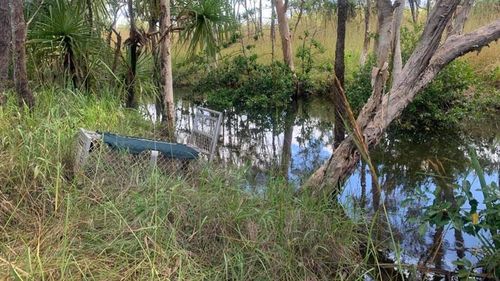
(384, 30)
(428, 59)
(273, 29)
(383, 44)
(286, 38)
(366, 41)
(286, 153)
(118, 50)
(462, 14)
(19, 36)
(152, 29)
(260, 18)
(397, 60)
(166, 69)
(413, 10)
(5, 36)
(339, 68)
(132, 42)
(299, 17)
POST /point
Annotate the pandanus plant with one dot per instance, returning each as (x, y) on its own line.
(62, 38)
(204, 25)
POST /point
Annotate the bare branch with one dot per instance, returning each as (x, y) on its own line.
(458, 45)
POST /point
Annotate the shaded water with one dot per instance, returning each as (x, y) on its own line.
(411, 169)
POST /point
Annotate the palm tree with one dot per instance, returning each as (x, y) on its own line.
(62, 36)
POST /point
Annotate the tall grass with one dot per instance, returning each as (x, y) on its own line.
(54, 227)
(325, 32)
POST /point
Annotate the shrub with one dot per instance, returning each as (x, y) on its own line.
(442, 103)
(244, 84)
(359, 89)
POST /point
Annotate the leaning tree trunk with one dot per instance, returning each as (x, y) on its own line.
(366, 41)
(286, 37)
(166, 69)
(383, 44)
(5, 36)
(339, 67)
(19, 36)
(427, 60)
(133, 44)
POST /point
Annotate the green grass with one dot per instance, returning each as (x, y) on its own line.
(53, 227)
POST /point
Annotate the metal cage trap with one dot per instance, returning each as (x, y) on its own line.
(120, 160)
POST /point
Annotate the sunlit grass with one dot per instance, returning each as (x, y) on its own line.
(324, 31)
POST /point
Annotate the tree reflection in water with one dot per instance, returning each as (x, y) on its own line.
(297, 141)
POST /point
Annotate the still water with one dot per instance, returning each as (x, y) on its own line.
(415, 172)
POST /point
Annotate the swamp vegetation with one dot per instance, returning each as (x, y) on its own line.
(373, 157)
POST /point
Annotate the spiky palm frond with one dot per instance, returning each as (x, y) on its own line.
(61, 37)
(208, 22)
(59, 29)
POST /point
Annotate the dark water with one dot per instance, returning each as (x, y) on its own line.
(410, 168)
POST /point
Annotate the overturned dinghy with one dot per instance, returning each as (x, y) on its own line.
(113, 157)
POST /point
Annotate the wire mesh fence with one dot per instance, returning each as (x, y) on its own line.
(100, 163)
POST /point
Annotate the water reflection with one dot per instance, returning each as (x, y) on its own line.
(411, 170)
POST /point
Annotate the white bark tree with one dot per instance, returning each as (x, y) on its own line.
(397, 60)
(366, 41)
(286, 37)
(430, 56)
(167, 87)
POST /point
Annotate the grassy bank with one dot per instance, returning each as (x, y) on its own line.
(53, 227)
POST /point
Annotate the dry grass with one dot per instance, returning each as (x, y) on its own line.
(324, 31)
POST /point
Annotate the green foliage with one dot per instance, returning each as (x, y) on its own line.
(460, 208)
(410, 35)
(247, 85)
(208, 23)
(359, 89)
(61, 39)
(306, 53)
(443, 102)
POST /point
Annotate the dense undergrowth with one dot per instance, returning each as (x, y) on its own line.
(457, 94)
(53, 227)
(460, 93)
